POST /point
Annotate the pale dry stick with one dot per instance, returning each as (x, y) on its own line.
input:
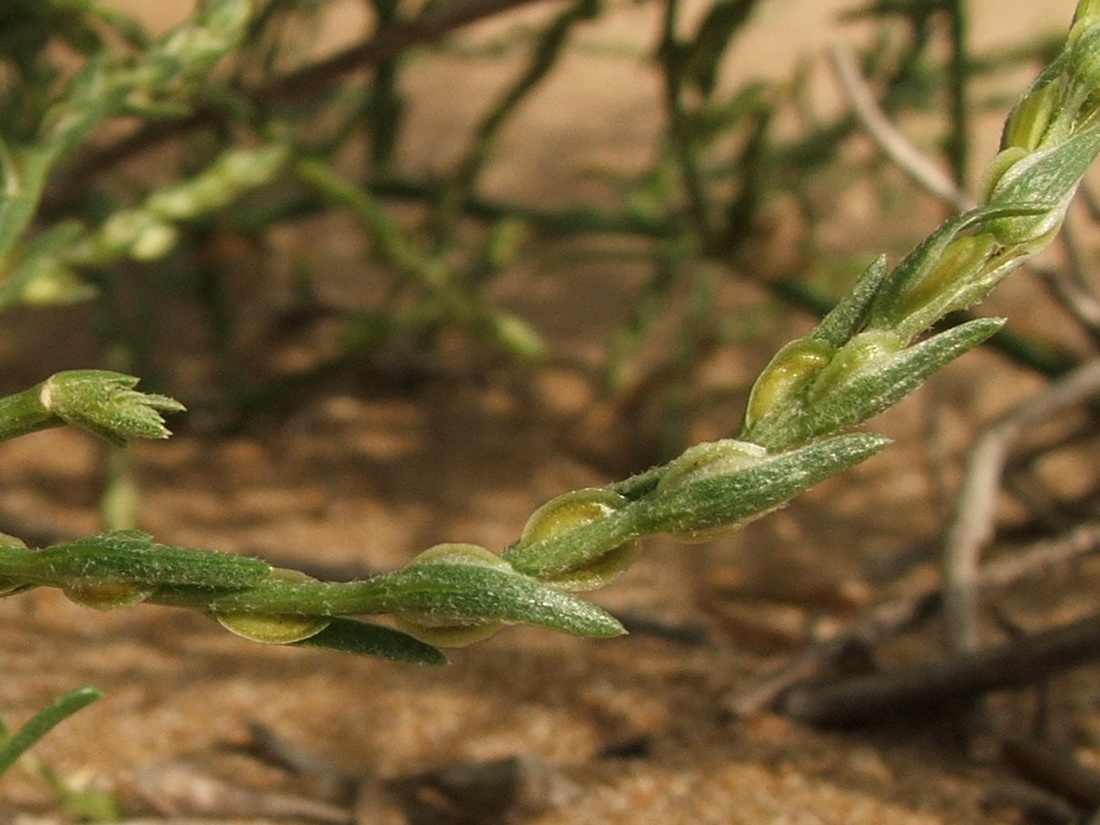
(511, 787)
(1075, 257)
(972, 524)
(1036, 498)
(180, 790)
(890, 141)
(898, 614)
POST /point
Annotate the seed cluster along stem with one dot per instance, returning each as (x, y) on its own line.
(867, 354)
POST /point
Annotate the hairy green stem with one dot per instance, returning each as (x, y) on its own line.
(24, 413)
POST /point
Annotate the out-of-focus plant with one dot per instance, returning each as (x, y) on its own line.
(264, 125)
(14, 745)
(89, 805)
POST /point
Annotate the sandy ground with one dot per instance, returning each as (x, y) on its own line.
(371, 470)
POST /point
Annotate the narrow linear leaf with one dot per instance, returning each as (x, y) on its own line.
(845, 319)
(717, 500)
(865, 394)
(43, 722)
(40, 277)
(131, 556)
(869, 394)
(462, 591)
(22, 178)
(713, 37)
(913, 269)
(366, 639)
(446, 592)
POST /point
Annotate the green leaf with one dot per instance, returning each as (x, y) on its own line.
(703, 56)
(365, 639)
(460, 592)
(130, 557)
(894, 308)
(838, 400)
(445, 592)
(846, 318)
(22, 179)
(41, 275)
(884, 384)
(715, 500)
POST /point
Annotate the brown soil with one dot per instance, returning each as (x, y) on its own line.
(370, 469)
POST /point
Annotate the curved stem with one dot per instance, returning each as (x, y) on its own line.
(43, 722)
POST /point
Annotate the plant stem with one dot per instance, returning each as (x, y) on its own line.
(24, 413)
(679, 128)
(958, 141)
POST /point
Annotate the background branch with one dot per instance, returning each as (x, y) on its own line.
(949, 682)
(972, 524)
(887, 618)
(432, 24)
(888, 138)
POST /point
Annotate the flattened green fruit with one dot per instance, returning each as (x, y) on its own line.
(106, 595)
(791, 369)
(706, 461)
(442, 634)
(274, 629)
(567, 512)
(446, 631)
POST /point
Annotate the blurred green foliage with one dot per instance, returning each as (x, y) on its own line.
(254, 129)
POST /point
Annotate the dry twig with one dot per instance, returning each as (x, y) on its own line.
(972, 524)
(957, 679)
(893, 616)
(178, 790)
(888, 138)
(1056, 768)
(1069, 286)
